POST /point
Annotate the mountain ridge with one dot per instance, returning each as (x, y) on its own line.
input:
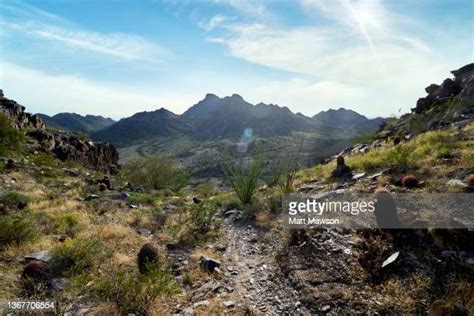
(75, 122)
(214, 117)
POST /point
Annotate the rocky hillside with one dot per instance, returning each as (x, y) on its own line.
(76, 123)
(449, 104)
(150, 242)
(63, 145)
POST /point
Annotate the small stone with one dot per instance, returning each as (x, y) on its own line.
(358, 176)
(325, 308)
(391, 259)
(132, 206)
(144, 232)
(209, 264)
(40, 255)
(201, 303)
(229, 304)
(91, 197)
(456, 183)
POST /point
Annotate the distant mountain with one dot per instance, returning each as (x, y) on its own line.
(216, 118)
(144, 125)
(348, 119)
(228, 117)
(76, 123)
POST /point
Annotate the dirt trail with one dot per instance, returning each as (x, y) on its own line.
(250, 266)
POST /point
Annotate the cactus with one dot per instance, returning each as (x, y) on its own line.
(340, 161)
(35, 270)
(409, 181)
(470, 181)
(396, 141)
(147, 255)
(102, 187)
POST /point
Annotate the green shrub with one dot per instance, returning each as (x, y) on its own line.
(45, 160)
(290, 169)
(203, 216)
(12, 200)
(75, 256)
(134, 292)
(10, 138)
(205, 190)
(142, 198)
(155, 171)
(244, 179)
(16, 229)
(67, 224)
(273, 173)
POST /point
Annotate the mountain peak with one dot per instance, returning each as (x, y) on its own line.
(210, 96)
(237, 97)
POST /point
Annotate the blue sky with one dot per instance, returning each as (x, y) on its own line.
(115, 58)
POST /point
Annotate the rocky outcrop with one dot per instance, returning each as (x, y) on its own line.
(462, 87)
(67, 146)
(63, 145)
(16, 113)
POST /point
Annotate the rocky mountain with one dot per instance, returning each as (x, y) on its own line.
(76, 123)
(144, 125)
(348, 119)
(61, 144)
(215, 118)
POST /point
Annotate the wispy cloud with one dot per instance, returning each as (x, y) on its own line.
(249, 8)
(24, 10)
(27, 20)
(214, 22)
(118, 45)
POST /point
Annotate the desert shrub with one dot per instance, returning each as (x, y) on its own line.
(75, 256)
(16, 229)
(142, 198)
(202, 216)
(204, 189)
(179, 181)
(244, 178)
(273, 173)
(290, 170)
(10, 138)
(273, 201)
(135, 293)
(155, 171)
(12, 200)
(67, 224)
(45, 160)
(147, 258)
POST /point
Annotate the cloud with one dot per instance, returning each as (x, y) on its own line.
(117, 45)
(365, 45)
(249, 8)
(24, 10)
(50, 94)
(215, 21)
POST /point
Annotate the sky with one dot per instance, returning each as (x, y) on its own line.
(118, 57)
